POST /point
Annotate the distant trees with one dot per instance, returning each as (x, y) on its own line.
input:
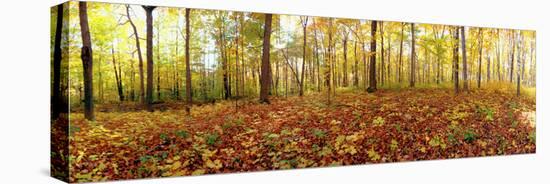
(87, 62)
(265, 81)
(233, 50)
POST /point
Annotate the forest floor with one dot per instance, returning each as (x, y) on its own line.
(299, 132)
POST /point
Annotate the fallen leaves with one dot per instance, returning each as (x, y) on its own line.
(387, 126)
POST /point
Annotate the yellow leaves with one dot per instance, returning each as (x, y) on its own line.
(378, 121)
(80, 156)
(198, 172)
(216, 164)
(373, 155)
(176, 165)
(207, 154)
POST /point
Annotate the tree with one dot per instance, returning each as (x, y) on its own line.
(118, 76)
(189, 99)
(138, 48)
(372, 55)
(87, 62)
(480, 37)
(413, 57)
(456, 41)
(464, 60)
(400, 62)
(519, 60)
(304, 27)
(57, 101)
(149, 40)
(265, 82)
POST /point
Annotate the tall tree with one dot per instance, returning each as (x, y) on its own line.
(189, 99)
(455, 59)
(464, 59)
(118, 76)
(519, 60)
(265, 82)
(149, 40)
(304, 27)
(382, 64)
(57, 104)
(413, 56)
(372, 55)
(400, 62)
(87, 62)
(140, 57)
(480, 37)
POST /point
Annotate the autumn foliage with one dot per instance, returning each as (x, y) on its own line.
(387, 126)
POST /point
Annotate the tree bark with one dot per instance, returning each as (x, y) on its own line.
(189, 99)
(455, 60)
(149, 40)
(140, 57)
(480, 57)
(464, 60)
(400, 62)
(87, 62)
(57, 101)
(266, 69)
(117, 77)
(304, 26)
(372, 56)
(413, 57)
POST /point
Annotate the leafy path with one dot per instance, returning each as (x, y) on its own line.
(294, 132)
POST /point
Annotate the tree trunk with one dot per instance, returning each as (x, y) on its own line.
(189, 99)
(149, 40)
(400, 68)
(464, 60)
(382, 63)
(136, 36)
(304, 25)
(266, 69)
(413, 57)
(117, 77)
(87, 62)
(480, 57)
(455, 60)
(57, 101)
(372, 55)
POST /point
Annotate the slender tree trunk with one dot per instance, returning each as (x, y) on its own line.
(455, 60)
(513, 40)
(355, 66)
(149, 40)
(480, 57)
(87, 62)
(304, 25)
(382, 63)
(117, 77)
(400, 68)
(519, 60)
(413, 57)
(464, 60)
(136, 36)
(266, 69)
(188, 96)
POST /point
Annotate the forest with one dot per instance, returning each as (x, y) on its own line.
(157, 91)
